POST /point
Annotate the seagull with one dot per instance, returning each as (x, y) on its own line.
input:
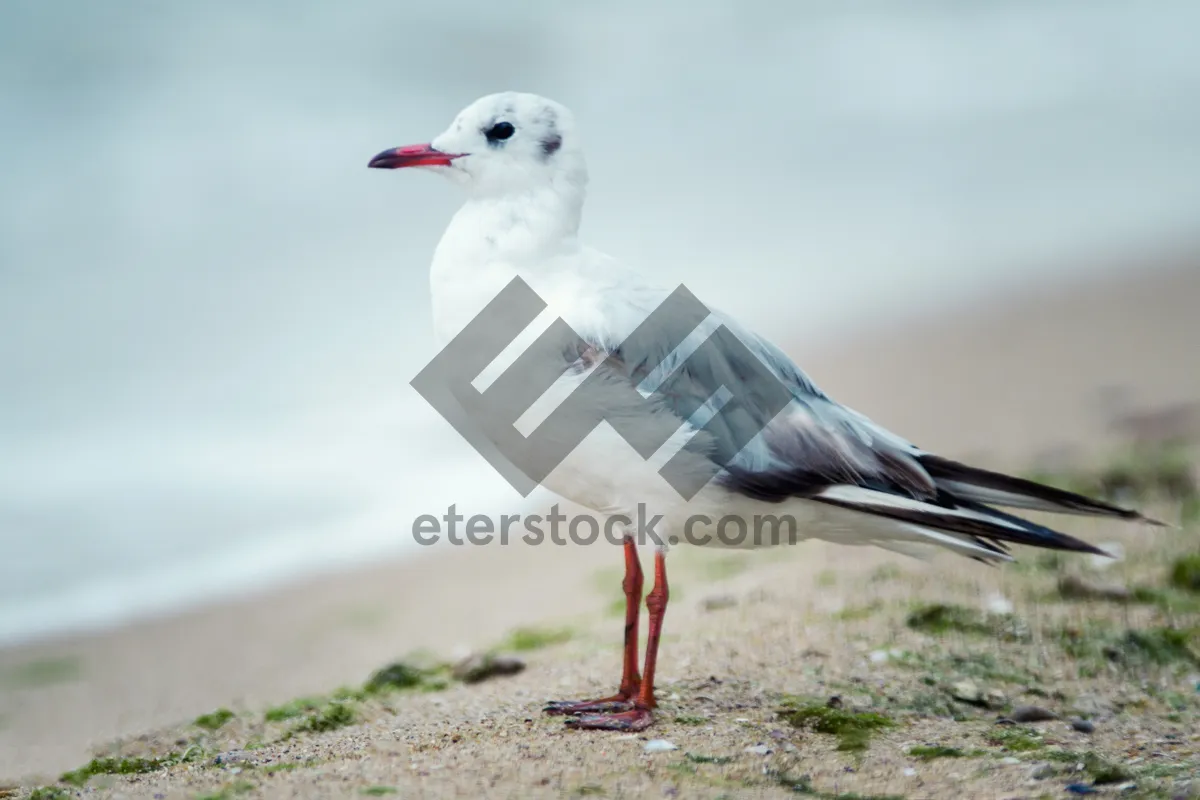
(836, 474)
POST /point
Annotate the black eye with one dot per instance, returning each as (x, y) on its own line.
(499, 132)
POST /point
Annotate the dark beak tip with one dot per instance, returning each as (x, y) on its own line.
(384, 160)
(413, 155)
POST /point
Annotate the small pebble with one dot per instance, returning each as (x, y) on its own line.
(758, 750)
(232, 757)
(998, 604)
(482, 666)
(1081, 788)
(1043, 771)
(966, 691)
(909, 771)
(1010, 760)
(659, 746)
(1082, 725)
(718, 602)
(1031, 714)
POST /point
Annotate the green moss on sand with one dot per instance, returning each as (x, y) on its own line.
(1103, 771)
(122, 766)
(1185, 573)
(331, 717)
(293, 708)
(929, 753)
(857, 613)
(1163, 645)
(943, 618)
(214, 720)
(1168, 598)
(524, 639)
(1016, 740)
(405, 676)
(853, 729)
(49, 793)
(1097, 644)
(337, 710)
(700, 758)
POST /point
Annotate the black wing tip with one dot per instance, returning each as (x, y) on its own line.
(1050, 539)
(1136, 516)
(1045, 538)
(946, 468)
(1119, 512)
(1073, 545)
(992, 534)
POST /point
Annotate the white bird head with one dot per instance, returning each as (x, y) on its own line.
(506, 143)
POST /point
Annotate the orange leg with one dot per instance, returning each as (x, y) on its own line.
(640, 716)
(630, 680)
(656, 602)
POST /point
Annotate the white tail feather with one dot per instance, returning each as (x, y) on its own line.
(869, 498)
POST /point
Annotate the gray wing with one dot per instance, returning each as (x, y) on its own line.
(773, 434)
(770, 429)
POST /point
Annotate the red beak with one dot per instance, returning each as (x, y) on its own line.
(413, 155)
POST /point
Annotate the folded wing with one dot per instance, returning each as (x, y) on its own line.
(825, 452)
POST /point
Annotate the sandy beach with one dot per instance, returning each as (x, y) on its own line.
(749, 636)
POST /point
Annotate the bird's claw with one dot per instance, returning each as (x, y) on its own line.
(635, 719)
(573, 708)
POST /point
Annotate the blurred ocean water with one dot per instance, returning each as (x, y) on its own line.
(211, 310)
